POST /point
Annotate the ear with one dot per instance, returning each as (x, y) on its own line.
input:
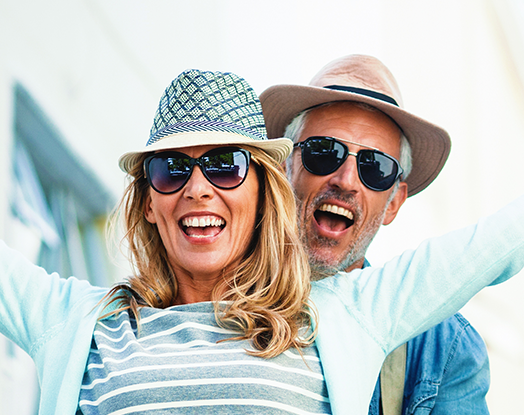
(395, 204)
(148, 210)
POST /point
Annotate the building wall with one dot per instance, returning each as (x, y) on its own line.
(56, 53)
(97, 68)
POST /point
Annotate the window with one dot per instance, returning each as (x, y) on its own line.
(58, 198)
(58, 212)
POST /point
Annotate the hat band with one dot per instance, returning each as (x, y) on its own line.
(362, 91)
(204, 126)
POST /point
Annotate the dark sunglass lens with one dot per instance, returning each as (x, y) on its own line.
(377, 171)
(169, 174)
(226, 170)
(322, 156)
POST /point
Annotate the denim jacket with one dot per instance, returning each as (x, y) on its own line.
(447, 372)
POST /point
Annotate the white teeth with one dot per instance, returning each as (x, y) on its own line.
(338, 210)
(202, 222)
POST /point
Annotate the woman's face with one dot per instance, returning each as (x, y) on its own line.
(203, 228)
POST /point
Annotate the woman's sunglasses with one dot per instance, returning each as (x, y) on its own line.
(323, 155)
(223, 167)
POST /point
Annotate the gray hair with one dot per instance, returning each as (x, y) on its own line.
(295, 127)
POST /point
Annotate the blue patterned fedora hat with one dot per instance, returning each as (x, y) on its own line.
(208, 108)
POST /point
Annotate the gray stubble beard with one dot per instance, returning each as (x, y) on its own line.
(320, 267)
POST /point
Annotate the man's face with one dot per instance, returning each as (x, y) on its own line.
(339, 240)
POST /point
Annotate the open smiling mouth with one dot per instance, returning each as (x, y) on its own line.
(202, 226)
(333, 218)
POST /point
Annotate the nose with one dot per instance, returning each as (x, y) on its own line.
(198, 187)
(346, 176)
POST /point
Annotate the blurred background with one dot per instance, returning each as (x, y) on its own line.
(80, 80)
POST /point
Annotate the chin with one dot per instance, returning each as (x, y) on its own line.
(320, 268)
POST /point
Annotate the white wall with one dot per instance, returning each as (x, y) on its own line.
(98, 67)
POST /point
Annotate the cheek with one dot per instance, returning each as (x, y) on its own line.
(297, 176)
(305, 184)
(376, 203)
(249, 221)
(158, 206)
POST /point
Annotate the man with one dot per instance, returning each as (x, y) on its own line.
(358, 156)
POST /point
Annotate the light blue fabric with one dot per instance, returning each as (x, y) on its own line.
(363, 315)
(52, 319)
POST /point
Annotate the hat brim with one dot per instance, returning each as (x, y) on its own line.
(279, 149)
(430, 144)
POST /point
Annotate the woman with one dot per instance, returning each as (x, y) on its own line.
(216, 317)
(211, 226)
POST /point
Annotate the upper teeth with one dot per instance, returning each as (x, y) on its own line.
(202, 221)
(336, 210)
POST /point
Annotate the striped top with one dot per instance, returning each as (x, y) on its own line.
(175, 365)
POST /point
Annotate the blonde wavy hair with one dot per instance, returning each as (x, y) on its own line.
(266, 295)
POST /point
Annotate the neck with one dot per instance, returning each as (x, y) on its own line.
(196, 289)
(356, 265)
(321, 271)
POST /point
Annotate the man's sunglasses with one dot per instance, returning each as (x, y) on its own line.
(223, 167)
(323, 155)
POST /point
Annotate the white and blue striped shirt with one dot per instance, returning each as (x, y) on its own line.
(175, 365)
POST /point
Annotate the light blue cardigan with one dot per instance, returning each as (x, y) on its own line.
(363, 315)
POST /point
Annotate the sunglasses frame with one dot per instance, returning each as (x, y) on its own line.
(196, 162)
(347, 153)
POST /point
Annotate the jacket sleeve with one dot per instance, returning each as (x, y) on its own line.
(34, 305)
(448, 371)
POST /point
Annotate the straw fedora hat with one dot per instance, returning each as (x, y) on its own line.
(363, 79)
(208, 108)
